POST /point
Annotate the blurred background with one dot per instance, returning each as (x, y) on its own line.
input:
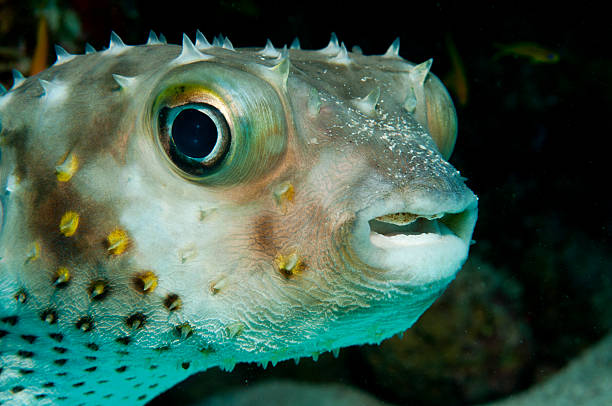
(531, 83)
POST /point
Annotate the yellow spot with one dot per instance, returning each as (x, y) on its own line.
(62, 276)
(117, 241)
(146, 281)
(284, 194)
(289, 265)
(69, 223)
(97, 289)
(67, 168)
(34, 253)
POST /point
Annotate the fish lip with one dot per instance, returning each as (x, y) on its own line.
(418, 258)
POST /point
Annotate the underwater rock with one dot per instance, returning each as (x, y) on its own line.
(278, 393)
(471, 345)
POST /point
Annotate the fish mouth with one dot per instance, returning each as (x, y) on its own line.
(418, 242)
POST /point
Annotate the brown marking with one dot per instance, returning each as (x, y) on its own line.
(173, 302)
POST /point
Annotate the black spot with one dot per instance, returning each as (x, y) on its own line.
(57, 337)
(136, 320)
(48, 385)
(61, 350)
(25, 354)
(131, 378)
(76, 385)
(108, 396)
(142, 397)
(62, 398)
(163, 349)
(207, 350)
(85, 324)
(89, 393)
(60, 361)
(123, 340)
(90, 369)
(93, 347)
(61, 374)
(153, 367)
(122, 352)
(90, 358)
(103, 381)
(172, 302)
(30, 339)
(185, 365)
(153, 386)
(41, 396)
(26, 371)
(49, 316)
(17, 389)
(12, 320)
(183, 331)
(3, 333)
(21, 296)
(121, 369)
(138, 385)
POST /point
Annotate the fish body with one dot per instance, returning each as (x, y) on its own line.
(456, 79)
(536, 53)
(167, 209)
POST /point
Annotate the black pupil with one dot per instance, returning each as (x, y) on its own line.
(194, 133)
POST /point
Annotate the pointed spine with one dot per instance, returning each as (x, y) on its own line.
(227, 44)
(116, 44)
(367, 105)
(295, 44)
(89, 49)
(52, 91)
(410, 102)
(2, 90)
(201, 41)
(153, 39)
(269, 51)
(18, 79)
(162, 39)
(333, 48)
(63, 56)
(418, 74)
(124, 82)
(218, 41)
(190, 53)
(314, 102)
(280, 71)
(393, 51)
(342, 58)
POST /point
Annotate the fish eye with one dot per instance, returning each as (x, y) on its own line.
(196, 137)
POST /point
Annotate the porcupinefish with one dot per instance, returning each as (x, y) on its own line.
(167, 209)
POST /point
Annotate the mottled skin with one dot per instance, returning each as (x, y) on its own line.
(264, 258)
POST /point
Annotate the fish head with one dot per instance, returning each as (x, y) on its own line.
(183, 208)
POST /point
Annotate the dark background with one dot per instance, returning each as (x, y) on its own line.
(533, 142)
